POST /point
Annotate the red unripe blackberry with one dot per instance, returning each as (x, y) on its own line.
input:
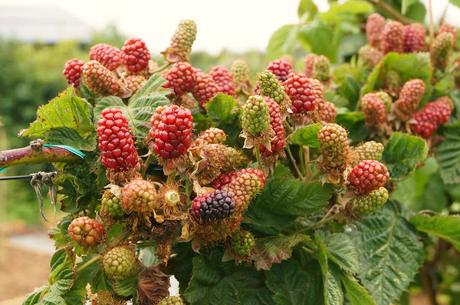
(86, 231)
(136, 56)
(205, 88)
(109, 56)
(280, 68)
(424, 124)
(447, 28)
(116, 143)
(374, 110)
(414, 38)
(100, 80)
(180, 78)
(409, 98)
(305, 93)
(391, 39)
(367, 176)
(278, 142)
(171, 131)
(226, 178)
(427, 120)
(374, 27)
(244, 187)
(72, 71)
(212, 206)
(326, 111)
(139, 196)
(223, 79)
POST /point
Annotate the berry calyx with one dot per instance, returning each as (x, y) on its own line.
(86, 231)
(280, 68)
(109, 56)
(171, 131)
(409, 98)
(212, 206)
(136, 56)
(181, 78)
(367, 176)
(120, 262)
(172, 300)
(374, 27)
(371, 202)
(72, 71)
(116, 143)
(138, 196)
(243, 244)
(223, 79)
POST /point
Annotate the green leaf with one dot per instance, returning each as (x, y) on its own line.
(405, 4)
(403, 153)
(320, 38)
(67, 119)
(306, 10)
(282, 201)
(332, 291)
(355, 293)
(417, 12)
(408, 66)
(455, 2)
(222, 109)
(140, 108)
(282, 41)
(446, 227)
(354, 123)
(34, 297)
(448, 156)
(424, 190)
(126, 287)
(275, 249)
(306, 135)
(340, 12)
(215, 282)
(341, 250)
(293, 284)
(390, 253)
(148, 256)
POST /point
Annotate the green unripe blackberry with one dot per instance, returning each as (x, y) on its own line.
(243, 243)
(240, 71)
(386, 98)
(333, 136)
(172, 300)
(110, 205)
(441, 50)
(370, 203)
(321, 68)
(370, 150)
(270, 86)
(120, 262)
(255, 118)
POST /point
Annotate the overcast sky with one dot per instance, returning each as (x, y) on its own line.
(233, 24)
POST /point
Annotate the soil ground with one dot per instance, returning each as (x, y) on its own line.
(21, 271)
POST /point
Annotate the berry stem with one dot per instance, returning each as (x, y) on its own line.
(391, 11)
(88, 263)
(306, 162)
(147, 164)
(258, 158)
(293, 161)
(162, 68)
(431, 25)
(35, 153)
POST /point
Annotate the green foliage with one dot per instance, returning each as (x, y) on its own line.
(388, 248)
(443, 226)
(403, 153)
(306, 135)
(448, 156)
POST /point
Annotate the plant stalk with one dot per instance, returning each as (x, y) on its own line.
(293, 161)
(391, 11)
(35, 153)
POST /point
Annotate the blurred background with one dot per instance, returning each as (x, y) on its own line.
(37, 37)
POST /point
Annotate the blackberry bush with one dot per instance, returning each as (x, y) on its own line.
(305, 183)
